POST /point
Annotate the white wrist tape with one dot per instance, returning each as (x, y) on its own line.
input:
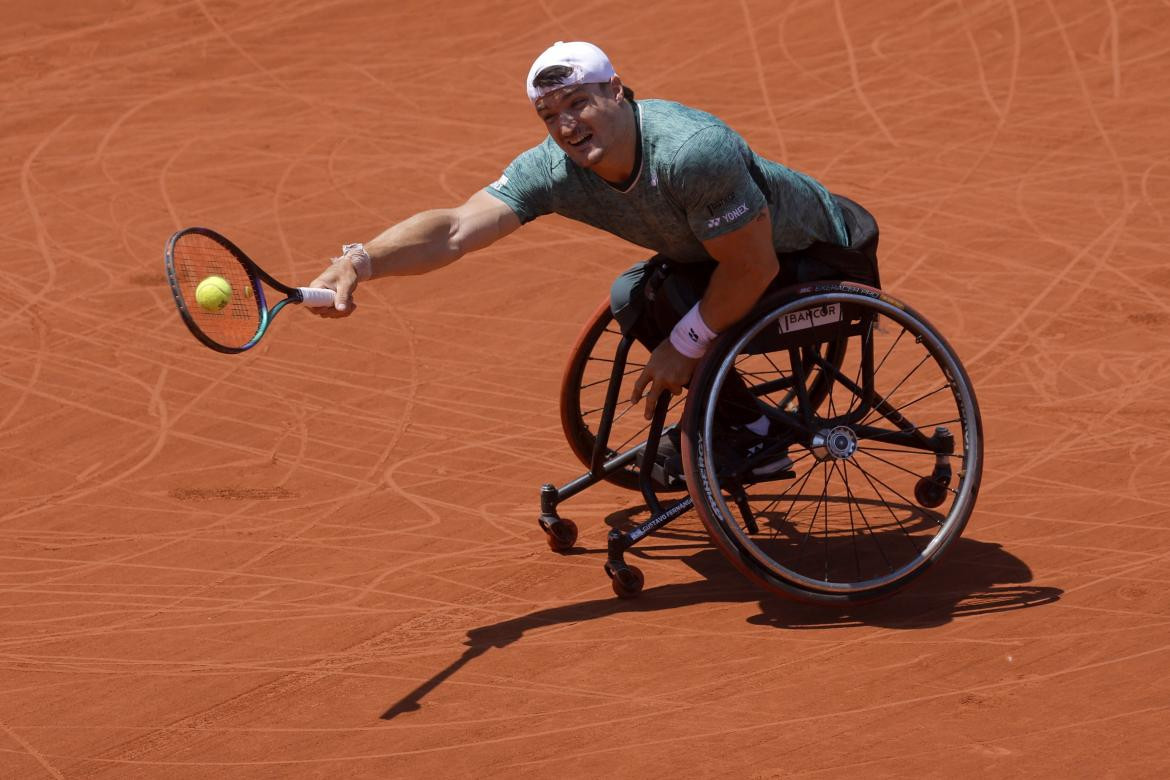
(691, 336)
(359, 258)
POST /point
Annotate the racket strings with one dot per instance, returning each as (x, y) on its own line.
(196, 257)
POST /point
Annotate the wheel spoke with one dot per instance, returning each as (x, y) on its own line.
(869, 527)
(813, 523)
(886, 397)
(592, 359)
(852, 523)
(895, 465)
(906, 502)
(803, 481)
(922, 397)
(605, 381)
(866, 344)
(637, 434)
(907, 451)
(761, 374)
(797, 482)
(889, 351)
(833, 407)
(940, 423)
(911, 473)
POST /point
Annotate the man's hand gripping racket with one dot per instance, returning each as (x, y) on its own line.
(220, 291)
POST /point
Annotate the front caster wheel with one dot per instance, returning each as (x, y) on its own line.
(561, 534)
(627, 581)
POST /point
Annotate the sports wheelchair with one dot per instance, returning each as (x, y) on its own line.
(868, 401)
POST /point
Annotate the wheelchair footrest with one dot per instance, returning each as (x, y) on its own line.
(661, 477)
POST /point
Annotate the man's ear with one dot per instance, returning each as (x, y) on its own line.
(615, 89)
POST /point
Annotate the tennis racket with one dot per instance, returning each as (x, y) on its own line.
(193, 255)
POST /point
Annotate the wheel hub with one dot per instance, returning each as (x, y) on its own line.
(837, 443)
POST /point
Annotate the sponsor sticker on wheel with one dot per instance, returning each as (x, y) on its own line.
(809, 318)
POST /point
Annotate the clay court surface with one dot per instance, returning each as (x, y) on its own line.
(321, 558)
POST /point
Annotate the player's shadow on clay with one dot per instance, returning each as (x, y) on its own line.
(975, 578)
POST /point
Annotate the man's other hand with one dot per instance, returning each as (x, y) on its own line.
(667, 370)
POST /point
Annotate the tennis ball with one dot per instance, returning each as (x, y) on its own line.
(213, 293)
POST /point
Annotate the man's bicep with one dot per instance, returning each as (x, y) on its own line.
(747, 264)
(750, 243)
(482, 221)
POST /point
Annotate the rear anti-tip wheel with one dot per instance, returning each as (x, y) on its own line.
(561, 534)
(930, 492)
(627, 581)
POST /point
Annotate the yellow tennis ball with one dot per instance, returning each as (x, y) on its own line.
(213, 293)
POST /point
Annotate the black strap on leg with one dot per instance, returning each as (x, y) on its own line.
(643, 318)
(657, 269)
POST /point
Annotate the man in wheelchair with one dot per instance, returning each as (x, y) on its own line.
(879, 405)
(726, 224)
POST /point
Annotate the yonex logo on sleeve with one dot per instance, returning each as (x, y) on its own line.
(736, 212)
(500, 183)
(730, 216)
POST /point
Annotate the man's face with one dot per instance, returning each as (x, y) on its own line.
(584, 120)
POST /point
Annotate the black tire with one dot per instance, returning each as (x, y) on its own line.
(846, 528)
(627, 582)
(561, 535)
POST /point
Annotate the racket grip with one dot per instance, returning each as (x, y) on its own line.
(317, 297)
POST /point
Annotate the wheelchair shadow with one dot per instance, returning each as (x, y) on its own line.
(976, 578)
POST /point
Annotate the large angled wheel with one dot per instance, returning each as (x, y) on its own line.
(886, 455)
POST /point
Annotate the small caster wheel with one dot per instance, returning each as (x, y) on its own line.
(930, 492)
(561, 534)
(627, 581)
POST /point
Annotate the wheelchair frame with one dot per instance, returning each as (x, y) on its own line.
(562, 533)
(803, 349)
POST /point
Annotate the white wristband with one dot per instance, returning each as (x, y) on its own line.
(691, 336)
(359, 258)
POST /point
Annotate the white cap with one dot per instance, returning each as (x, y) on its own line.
(589, 65)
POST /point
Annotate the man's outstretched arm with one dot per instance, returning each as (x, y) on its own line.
(420, 244)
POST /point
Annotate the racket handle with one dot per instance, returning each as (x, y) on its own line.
(317, 297)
